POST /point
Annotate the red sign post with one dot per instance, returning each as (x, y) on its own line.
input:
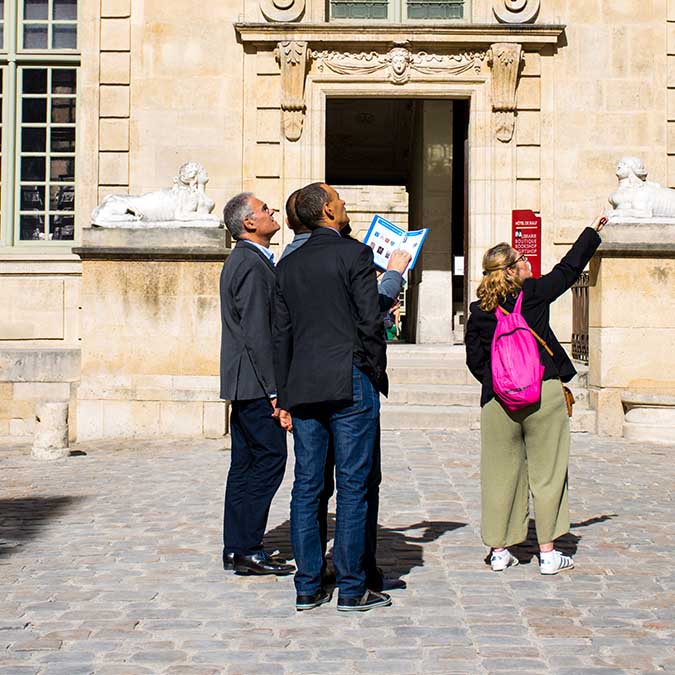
(526, 237)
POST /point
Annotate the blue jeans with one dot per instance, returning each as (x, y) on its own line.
(353, 428)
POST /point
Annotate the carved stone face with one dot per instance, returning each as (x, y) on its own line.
(399, 57)
(628, 166)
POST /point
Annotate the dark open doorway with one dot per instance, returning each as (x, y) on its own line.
(407, 160)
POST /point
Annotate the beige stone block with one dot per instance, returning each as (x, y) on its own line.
(268, 91)
(115, 68)
(181, 418)
(115, 35)
(4, 428)
(103, 192)
(6, 391)
(528, 162)
(670, 180)
(529, 93)
(22, 427)
(32, 308)
(114, 135)
(528, 195)
(628, 10)
(215, 419)
(16, 409)
(268, 160)
(532, 65)
(268, 125)
(89, 420)
(124, 419)
(115, 8)
(528, 128)
(670, 38)
(114, 101)
(42, 391)
(670, 71)
(265, 63)
(671, 10)
(610, 416)
(113, 168)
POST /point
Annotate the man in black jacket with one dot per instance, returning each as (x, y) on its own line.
(330, 359)
(258, 457)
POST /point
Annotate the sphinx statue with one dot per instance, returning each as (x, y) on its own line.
(183, 205)
(638, 198)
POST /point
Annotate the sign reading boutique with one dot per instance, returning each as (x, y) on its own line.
(526, 237)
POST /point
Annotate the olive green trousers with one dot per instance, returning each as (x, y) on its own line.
(522, 452)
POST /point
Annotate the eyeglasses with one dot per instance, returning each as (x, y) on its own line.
(522, 257)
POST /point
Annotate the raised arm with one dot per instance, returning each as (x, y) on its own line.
(567, 271)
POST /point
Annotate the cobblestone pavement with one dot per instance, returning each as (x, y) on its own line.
(110, 564)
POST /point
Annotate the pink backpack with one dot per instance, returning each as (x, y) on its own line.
(516, 367)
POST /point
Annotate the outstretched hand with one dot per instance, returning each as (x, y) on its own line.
(599, 222)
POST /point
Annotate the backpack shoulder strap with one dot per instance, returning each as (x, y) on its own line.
(537, 337)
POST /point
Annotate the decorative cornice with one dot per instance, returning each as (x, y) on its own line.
(532, 37)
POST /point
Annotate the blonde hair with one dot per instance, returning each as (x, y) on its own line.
(496, 284)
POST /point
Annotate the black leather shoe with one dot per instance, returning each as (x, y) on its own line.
(305, 602)
(260, 563)
(228, 561)
(370, 600)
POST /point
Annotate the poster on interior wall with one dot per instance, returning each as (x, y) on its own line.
(385, 237)
(526, 237)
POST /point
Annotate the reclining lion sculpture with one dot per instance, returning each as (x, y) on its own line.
(636, 197)
(183, 205)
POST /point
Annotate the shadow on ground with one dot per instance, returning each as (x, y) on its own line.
(23, 519)
(399, 549)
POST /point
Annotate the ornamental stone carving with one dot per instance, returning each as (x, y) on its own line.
(398, 63)
(183, 205)
(292, 57)
(516, 11)
(637, 198)
(505, 59)
(282, 10)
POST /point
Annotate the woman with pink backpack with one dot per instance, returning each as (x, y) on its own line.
(525, 433)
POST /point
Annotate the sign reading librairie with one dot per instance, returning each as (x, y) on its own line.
(526, 237)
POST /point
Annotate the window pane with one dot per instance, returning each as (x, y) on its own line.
(34, 110)
(34, 80)
(62, 227)
(435, 9)
(63, 110)
(62, 198)
(32, 168)
(65, 9)
(64, 36)
(63, 140)
(32, 198)
(32, 228)
(359, 9)
(33, 139)
(64, 81)
(35, 36)
(62, 169)
(35, 9)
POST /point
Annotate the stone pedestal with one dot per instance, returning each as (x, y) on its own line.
(51, 430)
(151, 333)
(632, 330)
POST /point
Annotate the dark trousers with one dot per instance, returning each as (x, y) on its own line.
(353, 430)
(258, 461)
(373, 576)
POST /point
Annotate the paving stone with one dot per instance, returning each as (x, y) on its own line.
(149, 594)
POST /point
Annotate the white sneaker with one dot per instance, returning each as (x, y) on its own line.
(499, 561)
(554, 563)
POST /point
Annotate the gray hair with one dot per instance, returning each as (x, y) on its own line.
(235, 212)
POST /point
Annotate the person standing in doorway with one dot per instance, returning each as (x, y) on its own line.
(525, 450)
(258, 456)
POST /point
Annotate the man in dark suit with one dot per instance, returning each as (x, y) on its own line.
(330, 359)
(258, 457)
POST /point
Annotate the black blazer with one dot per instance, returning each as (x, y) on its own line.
(538, 294)
(246, 289)
(326, 318)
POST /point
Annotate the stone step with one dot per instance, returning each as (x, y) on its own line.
(435, 394)
(401, 417)
(433, 374)
(429, 418)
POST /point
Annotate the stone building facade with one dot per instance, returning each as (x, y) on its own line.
(487, 106)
